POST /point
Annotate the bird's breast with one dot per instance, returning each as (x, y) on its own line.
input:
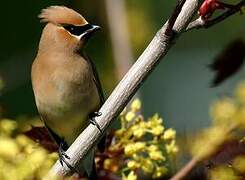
(66, 94)
(74, 91)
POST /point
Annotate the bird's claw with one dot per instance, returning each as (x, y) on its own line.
(63, 156)
(93, 121)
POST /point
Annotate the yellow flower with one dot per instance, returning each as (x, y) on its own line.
(23, 140)
(7, 126)
(223, 110)
(212, 138)
(136, 105)
(133, 164)
(172, 148)
(223, 173)
(119, 132)
(107, 164)
(131, 176)
(129, 149)
(45, 167)
(139, 146)
(29, 148)
(169, 134)
(157, 155)
(152, 148)
(138, 133)
(54, 156)
(157, 130)
(159, 172)
(240, 92)
(20, 157)
(37, 157)
(154, 121)
(147, 165)
(242, 139)
(144, 155)
(138, 130)
(239, 164)
(239, 118)
(130, 116)
(143, 125)
(31, 164)
(8, 148)
(111, 165)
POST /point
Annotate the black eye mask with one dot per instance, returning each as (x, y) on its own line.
(78, 30)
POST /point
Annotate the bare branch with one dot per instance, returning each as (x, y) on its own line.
(174, 16)
(200, 23)
(127, 87)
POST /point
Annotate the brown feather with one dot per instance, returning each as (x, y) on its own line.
(61, 15)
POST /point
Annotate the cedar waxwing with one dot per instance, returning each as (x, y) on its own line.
(65, 82)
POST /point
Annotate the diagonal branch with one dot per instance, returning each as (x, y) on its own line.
(128, 86)
(200, 23)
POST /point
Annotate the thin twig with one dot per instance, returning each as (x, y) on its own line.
(200, 23)
(126, 88)
(185, 170)
(174, 16)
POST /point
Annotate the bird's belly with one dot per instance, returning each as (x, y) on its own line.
(67, 114)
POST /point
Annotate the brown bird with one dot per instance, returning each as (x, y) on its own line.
(65, 82)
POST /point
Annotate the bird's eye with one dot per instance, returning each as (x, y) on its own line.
(78, 30)
(71, 29)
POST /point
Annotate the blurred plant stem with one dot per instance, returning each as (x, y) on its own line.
(185, 170)
(215, 142)
(118, 26)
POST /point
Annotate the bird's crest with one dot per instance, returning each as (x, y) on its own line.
(61, 15)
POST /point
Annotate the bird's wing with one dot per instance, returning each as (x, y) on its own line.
(96, 80)
(58, 139)
(102, 143)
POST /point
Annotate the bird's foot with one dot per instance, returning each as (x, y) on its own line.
(93, 121)
(63, 156)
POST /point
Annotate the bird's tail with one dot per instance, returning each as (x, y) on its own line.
(88, 164)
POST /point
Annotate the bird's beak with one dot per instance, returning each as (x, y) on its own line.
(95, 28)
(92, 30)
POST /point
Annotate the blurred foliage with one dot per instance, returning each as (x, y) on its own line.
(228, 114)
(140, 146)
(20, 157)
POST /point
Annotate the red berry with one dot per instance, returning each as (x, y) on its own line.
(208, 7)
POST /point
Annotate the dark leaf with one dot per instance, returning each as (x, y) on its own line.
(228, 62)
(41, 135)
